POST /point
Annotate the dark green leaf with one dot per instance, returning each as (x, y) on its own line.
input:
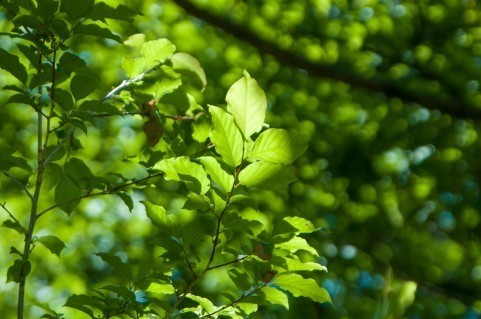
(121, 291)
(75, 8)
(60, 27)
(64, 99)
(127, 200)
(70, 62)
(21, 98)
(80, 302)
(96, 30)
(78, 171)
(11, 63)
(240, 278)
(99, 107)
(67, 194)
(20, 268)
(102, 11)
(53, 243)
(51, 176)
(29, 52)
(46, 8)
(15, 226)
(122, 269)
(82, 85)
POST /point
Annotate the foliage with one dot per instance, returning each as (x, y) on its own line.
(220, 156)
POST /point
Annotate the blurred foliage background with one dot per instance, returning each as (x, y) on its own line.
(387, 94)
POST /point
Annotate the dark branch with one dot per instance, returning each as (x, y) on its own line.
(452, 105)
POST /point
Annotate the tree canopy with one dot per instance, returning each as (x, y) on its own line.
(384, 94)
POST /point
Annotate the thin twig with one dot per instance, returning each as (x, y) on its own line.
(228, 263)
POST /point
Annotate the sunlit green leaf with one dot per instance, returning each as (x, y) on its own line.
(156, 51)
(205, 303)
(301, 287)
(185, 62)
(159, 288)
(295, 244)
(217, 173)
(182, 169)
(266, 175)
(246, 101)
(277, 146)
(226, 136)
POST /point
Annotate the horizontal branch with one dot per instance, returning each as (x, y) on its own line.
(390, 88)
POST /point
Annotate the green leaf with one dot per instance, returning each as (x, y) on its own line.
(159, 216)
(295, 244)
(96, 106)
(294, 264)
(20, 98)
(205, 303)
(294, 225)
(182, 169)
(15, 226)
(246, 101)
(80, 302)
(217, 173)
(301, 287)
(160, 288)
(127, 200)
(7, 160)
(266, 175)
(82, 85)
(185, 62)
(75, 8)
(117, 264)
(201, 129)
(53, 243)
(52, 175)
(64, 99)
(96, 30)
(67, 194)
(70, 62)
(226, 136)
(156, 51)
(133, 66)
(277, 146)
(78, 170)
(11, 63)
(46, 8)
(240, 278)
(274, 297)
(20, 268)
(102, 11)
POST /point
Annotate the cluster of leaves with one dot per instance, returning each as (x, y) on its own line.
(222, 158)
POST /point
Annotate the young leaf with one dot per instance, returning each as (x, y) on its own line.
(226, 136)
(301, 287)
(205, 303)
(53, 243)
(156, 51)
(277, 146)
(246, 101)
(158, 288)
(266, 175)
(11, 63)
(182, 169)
(274, 297)
(185, 62)
(295, 244)
(217, 173)
(294, 225)
(294, 264)
(159, 216)
(67, 193)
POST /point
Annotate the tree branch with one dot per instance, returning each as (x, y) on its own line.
(452, 105)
